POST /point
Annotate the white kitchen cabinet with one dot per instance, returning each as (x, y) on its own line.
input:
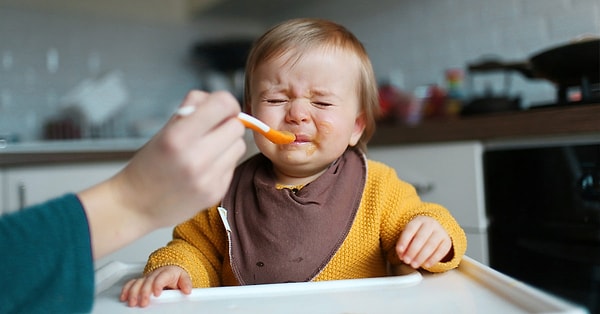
(29, 185)
(26, 186)
(450, 174)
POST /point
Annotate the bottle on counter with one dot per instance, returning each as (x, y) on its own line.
(455, 93)
(398, 106)
(434, 101)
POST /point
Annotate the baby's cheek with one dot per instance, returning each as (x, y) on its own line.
(325, 128)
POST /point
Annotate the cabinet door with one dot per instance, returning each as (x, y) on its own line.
(31, 185)
(450, 174)
(25, 186)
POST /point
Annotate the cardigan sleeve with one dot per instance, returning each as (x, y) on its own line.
(199, 246)
(47, 259)
(401, 204)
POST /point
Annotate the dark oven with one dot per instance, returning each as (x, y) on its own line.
(544, 208)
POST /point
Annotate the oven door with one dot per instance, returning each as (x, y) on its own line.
(544, 225)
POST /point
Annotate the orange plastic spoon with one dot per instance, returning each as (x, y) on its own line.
(275, 136)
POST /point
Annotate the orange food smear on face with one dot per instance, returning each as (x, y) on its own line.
(326, 127)
(311, 149)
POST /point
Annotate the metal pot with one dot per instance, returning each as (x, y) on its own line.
(573, 64)
(566, 65)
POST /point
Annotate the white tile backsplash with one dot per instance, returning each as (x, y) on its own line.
(45, 55)
(420, 39)
(424, 38)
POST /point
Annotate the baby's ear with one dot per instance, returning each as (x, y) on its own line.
(359, 128)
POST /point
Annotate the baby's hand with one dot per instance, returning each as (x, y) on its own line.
(424, 242)
(137, 291)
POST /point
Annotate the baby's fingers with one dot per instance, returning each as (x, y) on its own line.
(185, 284)
(406, 238)
(439, 254)
(126, 290)
(132, 292)
(139, 294)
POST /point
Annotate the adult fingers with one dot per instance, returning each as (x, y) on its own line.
(175, 169)
(191, 136)
(214, 177)
(210, 110)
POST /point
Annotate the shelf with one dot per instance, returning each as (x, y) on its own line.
(540, 122)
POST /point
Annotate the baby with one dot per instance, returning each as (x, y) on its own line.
(316, 209)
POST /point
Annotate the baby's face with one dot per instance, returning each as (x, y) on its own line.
(315, 97)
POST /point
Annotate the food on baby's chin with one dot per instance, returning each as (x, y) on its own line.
(311, 149)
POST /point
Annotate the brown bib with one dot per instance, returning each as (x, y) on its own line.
(281, 236)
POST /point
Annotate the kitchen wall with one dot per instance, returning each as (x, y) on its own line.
(420, 39)
(45, 55)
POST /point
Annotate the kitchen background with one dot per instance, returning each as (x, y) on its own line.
(125, 65)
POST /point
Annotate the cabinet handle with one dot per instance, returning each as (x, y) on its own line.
(423, 188)
(21, 195)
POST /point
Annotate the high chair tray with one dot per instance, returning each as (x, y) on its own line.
(471, 288)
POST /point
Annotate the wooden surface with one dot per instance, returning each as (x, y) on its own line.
(28, 159)
(549, 121)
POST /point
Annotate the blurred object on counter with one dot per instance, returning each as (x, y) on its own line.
(8, 138)
(62, 129)
(434, 102)
(575, 64)
(225, 55)
(491, 104)
(455, 95)
(220, 64)
(491, 99)
(94, 103)
(98, 98)
(397, 105)
(63, 125)
(440, 102)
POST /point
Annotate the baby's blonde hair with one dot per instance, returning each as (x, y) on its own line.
(303, 34)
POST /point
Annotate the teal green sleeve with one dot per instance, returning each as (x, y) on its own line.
(46, 264)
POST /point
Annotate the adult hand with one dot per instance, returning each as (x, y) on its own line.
(186, 166)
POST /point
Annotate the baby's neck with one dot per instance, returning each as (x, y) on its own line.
(300, 179)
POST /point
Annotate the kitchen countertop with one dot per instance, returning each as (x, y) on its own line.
(471, 288)
(574, 120)
(69, 151)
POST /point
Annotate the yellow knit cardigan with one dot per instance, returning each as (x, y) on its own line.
(200, 245)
